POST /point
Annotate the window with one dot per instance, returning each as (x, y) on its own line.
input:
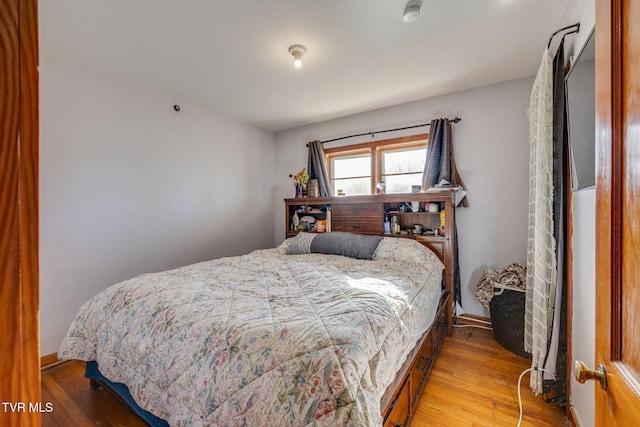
(398, 162)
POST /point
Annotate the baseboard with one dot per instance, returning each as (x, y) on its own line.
(473, 320)
(49, 361)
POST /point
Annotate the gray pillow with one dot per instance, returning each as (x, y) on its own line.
(335, 243)
(347, 244)
(301, 244)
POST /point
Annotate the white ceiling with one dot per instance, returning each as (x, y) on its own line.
(232, 56)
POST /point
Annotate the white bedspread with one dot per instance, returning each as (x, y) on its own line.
(263, 339)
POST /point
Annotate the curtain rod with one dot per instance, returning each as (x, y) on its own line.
(576, 26)
(454, 120)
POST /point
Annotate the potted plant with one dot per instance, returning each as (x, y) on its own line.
(300, 182)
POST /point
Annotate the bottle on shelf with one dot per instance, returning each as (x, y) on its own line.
(387, 225)
(395, 226)
(442, 222)
(295, 221)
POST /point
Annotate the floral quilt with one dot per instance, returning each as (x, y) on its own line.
(264, 339)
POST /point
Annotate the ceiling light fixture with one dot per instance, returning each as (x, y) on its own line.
(411, 11)
(297, 50)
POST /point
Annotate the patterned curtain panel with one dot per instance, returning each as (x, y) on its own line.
(317, 168)
(541, 244)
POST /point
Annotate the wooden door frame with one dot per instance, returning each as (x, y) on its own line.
(569, 296)
(19, 287)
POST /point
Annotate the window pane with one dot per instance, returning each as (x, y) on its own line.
(352, 186)
(404, 161)
(345, 167)
(402, 183)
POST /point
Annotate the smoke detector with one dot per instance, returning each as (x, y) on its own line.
(411, 12)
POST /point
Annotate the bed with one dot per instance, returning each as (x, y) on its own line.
(293, 335)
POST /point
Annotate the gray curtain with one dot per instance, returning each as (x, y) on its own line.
(557, 354)
(317, 168)
(440, 164)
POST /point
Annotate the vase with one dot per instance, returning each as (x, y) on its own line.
(312, 188)
(298, 191)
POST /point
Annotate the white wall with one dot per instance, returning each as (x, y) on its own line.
(492, 154)
(583, 346)
(129, 186)
(583, 305)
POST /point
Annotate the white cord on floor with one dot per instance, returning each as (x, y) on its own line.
(519, 380)
(473, 326)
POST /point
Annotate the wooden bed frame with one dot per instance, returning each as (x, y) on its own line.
(402, 397)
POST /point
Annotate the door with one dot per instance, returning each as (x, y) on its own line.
(19, 358)
(618, 211)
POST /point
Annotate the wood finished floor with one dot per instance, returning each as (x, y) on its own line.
(473, 384)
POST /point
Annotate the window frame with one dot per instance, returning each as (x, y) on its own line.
(376, 150)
